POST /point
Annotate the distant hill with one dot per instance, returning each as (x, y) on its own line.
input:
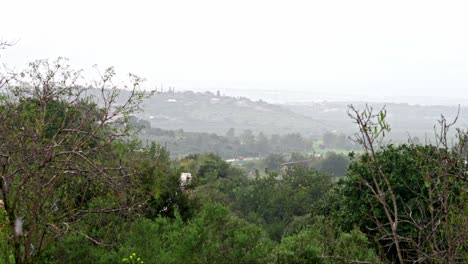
(208, 112)
(404, 119)
(211, 113)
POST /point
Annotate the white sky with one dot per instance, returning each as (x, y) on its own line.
(390, 48)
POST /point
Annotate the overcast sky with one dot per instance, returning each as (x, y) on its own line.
(390, 48)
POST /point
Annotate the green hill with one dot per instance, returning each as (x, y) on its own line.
(207, 112)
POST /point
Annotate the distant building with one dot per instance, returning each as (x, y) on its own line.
(185, 179)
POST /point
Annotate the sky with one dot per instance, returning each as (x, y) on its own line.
(385, 49)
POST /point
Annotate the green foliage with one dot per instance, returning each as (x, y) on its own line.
(159, 180)
(182, 143)
(274, 200)
(416, 174)
(211, 168)
(320, 242)
(300, 248)
(273, 161)
(4, 232)
(330, 163)
(72, 248)
(208, 168)
(92, 241)
(88, 193)
(337, 141)
(354, 246)
(133, 259)
(402, 166)
(56, 157)
(214, 235)
(334, 164)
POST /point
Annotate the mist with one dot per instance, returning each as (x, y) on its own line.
(333, 50)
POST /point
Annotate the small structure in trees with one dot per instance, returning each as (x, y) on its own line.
(185, 179)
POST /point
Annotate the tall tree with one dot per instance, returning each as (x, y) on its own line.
(411, 198)
(56, 152)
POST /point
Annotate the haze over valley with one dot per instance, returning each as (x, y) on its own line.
(226, 132)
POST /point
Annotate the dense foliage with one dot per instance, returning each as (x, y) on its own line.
(229, 146)
(78, 187)
(430, 198)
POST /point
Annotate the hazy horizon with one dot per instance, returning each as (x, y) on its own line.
(286, 96)
(402, 51)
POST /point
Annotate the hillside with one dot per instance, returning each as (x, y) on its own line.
(404, 119)
(210, 113)
(207, 112)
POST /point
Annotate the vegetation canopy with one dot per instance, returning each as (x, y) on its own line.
(55, 156)
(77, 186)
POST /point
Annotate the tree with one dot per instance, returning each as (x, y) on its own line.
(247, 138)
(329, 139)
(262, 145)
(274, 161)
(4, 44)
(160, 183)
(231, 133)
(4, 78)
(334, 140)
(293, 142)
(411, 198)
(214, 235)
(275, 200)
(321, 242)
(56, 152)
(334, 164)
(211, 167)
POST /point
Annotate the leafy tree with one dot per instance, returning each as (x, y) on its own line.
(214, 235)
(262, 146)
(414, 173)
(160, 183)
(213, 179)
(247, 137)
(410, 198)
(212, 167)
(334, 164)
(273, 161)
(297, 156)
(321, 242)
(56, 153)
(337, 140)
(275, 200)
(231, 133)
(293, 142)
